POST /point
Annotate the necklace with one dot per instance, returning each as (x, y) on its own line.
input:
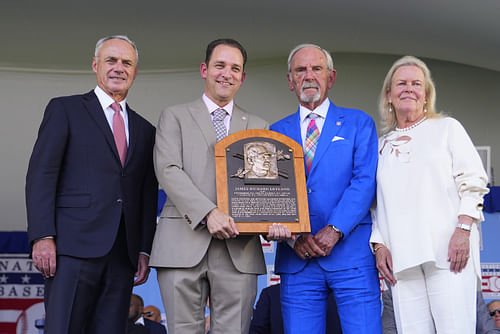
(411, 126)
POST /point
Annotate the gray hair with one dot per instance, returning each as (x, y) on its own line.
(122, 37)
(329, 60)
(389, 121)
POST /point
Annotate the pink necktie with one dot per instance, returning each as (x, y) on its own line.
(119, 132)
(312, 137)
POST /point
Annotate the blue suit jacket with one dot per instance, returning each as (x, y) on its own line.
(340, 187)
(76, 187)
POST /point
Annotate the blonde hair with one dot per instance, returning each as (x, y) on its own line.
(389, 121)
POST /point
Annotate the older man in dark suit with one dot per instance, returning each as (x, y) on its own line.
(91, 198)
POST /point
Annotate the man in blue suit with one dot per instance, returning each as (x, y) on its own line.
(340, 149)
(91, 197)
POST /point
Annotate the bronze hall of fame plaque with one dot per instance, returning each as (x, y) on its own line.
(261, 180)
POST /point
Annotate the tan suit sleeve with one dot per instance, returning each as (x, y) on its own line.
(171, 149)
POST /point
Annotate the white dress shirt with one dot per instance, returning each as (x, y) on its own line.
(105, 100)
(212, 106)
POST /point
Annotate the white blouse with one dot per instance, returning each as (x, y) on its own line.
(427, 176)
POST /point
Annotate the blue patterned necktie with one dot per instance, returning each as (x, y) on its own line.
(218, 120)
(311, 142)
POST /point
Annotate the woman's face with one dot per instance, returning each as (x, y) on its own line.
(407, 92)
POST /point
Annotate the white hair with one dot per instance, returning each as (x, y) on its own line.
(122, 37)
(329, 60)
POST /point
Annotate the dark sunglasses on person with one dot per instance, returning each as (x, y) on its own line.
(492, 312)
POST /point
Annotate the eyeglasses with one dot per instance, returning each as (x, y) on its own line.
(492, 312)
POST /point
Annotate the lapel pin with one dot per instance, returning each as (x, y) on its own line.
(244, 118)
(338, 123)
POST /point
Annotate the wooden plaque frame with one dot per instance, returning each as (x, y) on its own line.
(301, 223)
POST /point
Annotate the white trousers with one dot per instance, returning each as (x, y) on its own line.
(431, 300)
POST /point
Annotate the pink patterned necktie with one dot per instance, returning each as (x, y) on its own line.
(119, 132)
(312, 137)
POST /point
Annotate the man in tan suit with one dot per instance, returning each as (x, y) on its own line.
(197, 249)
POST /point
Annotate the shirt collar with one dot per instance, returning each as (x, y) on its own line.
(105, 100)
(320, 110)
(212, 106)
(140, 321)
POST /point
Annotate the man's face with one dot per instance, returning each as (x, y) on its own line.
(495, 306)
(223, 74)
(260, 161)
(135, 308)
(309, 77)
(155, 313)
(115, 68)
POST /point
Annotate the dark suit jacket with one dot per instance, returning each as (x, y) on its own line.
(267, 318)
(76, 187)
(136, 329)
(154, 327)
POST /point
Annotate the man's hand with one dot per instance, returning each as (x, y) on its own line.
(384, 262)
(326, 238)
(44, 256)
(306, 247)
(279, 232)
(220, 225)
(141, 276)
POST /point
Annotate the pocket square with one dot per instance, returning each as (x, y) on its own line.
(337, 138)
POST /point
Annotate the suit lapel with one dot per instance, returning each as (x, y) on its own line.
(239, 120)
(95, 110)
(333, 123)
(199, 112)
(132, 133)
(294, 128)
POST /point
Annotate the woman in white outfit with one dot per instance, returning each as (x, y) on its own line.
(430, 188)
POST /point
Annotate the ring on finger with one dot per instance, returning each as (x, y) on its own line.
(306, 254)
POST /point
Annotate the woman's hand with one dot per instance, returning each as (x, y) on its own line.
(458, 250)
(384, 262)
(459, 246)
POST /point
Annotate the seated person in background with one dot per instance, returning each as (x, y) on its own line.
(494, 309)
(267, 318)
(152, 313)
(484, 323)
(137, 323)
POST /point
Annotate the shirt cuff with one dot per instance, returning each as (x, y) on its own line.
(291, 242)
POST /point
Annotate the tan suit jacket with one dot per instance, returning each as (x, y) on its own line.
(185, 168)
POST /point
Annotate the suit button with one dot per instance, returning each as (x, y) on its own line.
(309, 190)
(123, 173)
(187, 218)
(119, 201)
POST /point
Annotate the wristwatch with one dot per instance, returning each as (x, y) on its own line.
(464, 227)
(337, 230)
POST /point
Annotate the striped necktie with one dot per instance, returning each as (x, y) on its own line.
(218, 120)
(119, 132)
(312, 137)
